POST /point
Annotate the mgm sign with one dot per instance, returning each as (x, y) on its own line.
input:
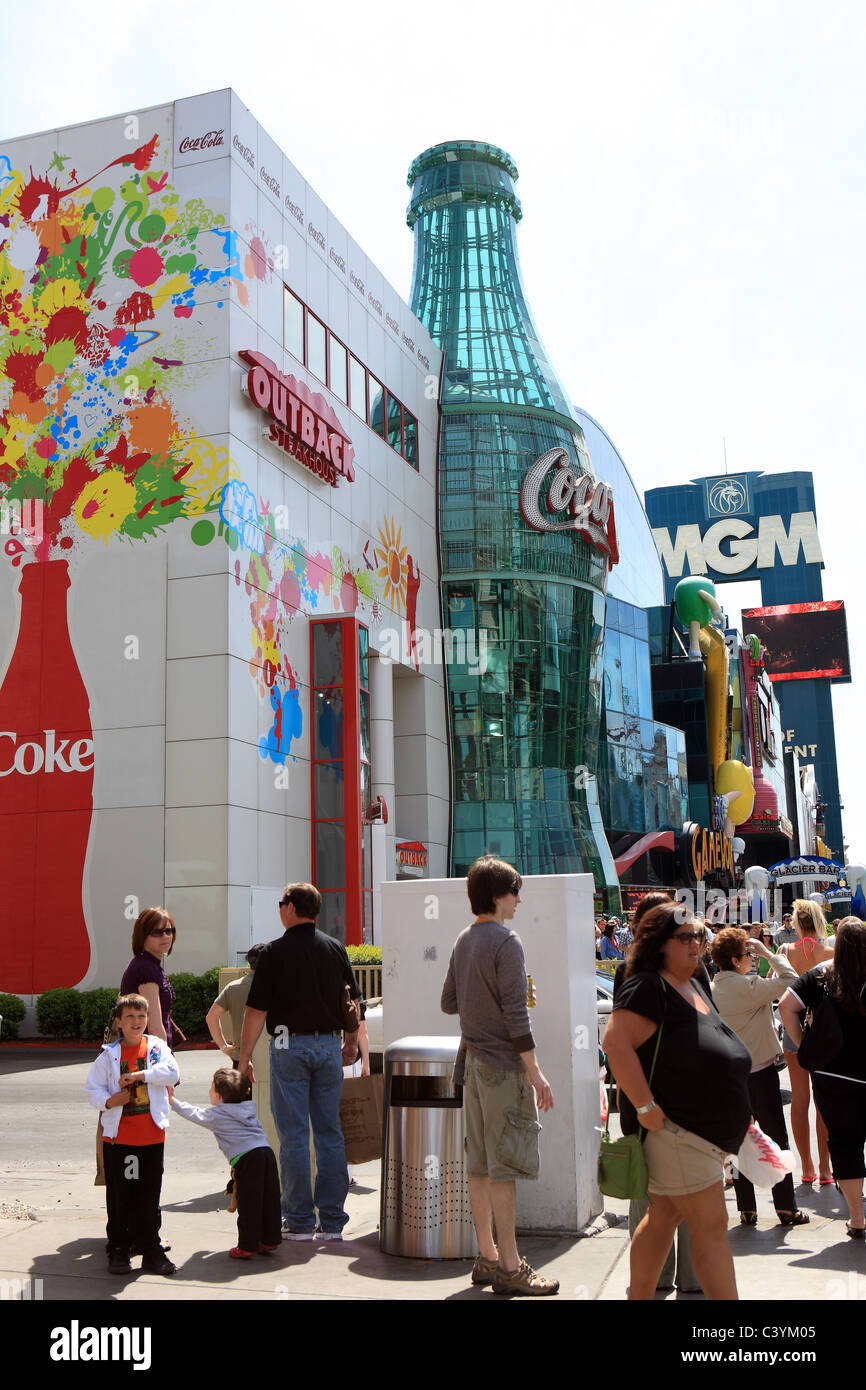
(736, 527)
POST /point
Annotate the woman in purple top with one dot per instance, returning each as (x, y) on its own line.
(153, 938)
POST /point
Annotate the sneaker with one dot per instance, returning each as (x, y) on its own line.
(328, 1235)
(238, 1254)
(118, 1261)
(157, 1263)
(484, 1270)
(289, 1233)
(524, 1280)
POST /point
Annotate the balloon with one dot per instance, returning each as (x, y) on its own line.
(737, 846)
(757, 881)
(735, 781)
(855, 874)
(756, 878)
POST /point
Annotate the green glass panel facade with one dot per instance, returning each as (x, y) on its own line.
(525, 720)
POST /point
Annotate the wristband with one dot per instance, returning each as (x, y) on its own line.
(645, 1109)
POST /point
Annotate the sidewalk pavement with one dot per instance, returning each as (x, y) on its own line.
(52, 1223)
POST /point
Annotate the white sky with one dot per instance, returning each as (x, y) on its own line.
(692, 178)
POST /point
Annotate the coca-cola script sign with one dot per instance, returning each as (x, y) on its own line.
(201, 142)
(589, 504)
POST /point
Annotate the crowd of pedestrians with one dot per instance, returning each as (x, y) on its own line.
(691, 1043)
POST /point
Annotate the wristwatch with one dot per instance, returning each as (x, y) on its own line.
(645, 1109)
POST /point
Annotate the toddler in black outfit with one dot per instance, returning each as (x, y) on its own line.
(232, 1117)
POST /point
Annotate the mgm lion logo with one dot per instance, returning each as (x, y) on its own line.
(727, 497)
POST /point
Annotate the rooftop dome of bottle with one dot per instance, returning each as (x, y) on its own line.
(465, 170)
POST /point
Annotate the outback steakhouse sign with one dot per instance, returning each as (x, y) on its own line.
(302, 422)
(412, 854)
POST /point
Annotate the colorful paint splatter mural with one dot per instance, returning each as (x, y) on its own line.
(99, 279)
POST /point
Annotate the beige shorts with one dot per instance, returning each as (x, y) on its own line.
(502, 1126)
(680, 1162)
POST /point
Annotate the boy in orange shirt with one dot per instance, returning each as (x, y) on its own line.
(128, 1082)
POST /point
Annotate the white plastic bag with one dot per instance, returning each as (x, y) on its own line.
(761, 1160)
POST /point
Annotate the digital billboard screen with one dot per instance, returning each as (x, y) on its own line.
(802, 640)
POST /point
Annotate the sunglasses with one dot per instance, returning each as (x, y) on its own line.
(685, 936)
(163, 931)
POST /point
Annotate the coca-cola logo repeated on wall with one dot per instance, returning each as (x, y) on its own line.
(209, 140)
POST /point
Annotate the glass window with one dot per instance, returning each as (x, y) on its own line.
(329, 790)
(327, 654)
(377, 406)
(365, 726)
(410, 439)
(364, 657)
(293, 325)
(395, 424)
(316, 339)
(628, 658)
(332, 918)
(358, 387)
(330, 854)
(337, 364)
(328, 726)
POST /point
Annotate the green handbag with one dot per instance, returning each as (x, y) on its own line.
(622, 1170)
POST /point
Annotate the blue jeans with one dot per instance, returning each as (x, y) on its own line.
(306, 1081)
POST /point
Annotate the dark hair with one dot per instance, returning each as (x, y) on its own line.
(727, 945)
(254, 952)
(845, 978)
(609, 928)
(654, 930)
(646, 904)
(144, 924)
(489, 879)
(130, 1001)
(232, 1086)
(305, 899)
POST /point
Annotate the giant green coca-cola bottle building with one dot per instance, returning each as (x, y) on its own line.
(527, 534)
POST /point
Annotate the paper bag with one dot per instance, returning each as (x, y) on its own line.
(361, 1104)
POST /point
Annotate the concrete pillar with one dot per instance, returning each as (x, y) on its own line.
(420, 922)
(384, 782)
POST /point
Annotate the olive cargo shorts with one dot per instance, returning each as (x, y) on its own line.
(502, 1126)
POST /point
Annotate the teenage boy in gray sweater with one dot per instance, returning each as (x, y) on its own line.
(486, 985)
(232, 1117)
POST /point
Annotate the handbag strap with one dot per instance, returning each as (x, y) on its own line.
(652, 1068)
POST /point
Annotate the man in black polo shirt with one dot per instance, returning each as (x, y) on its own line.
(297, 989)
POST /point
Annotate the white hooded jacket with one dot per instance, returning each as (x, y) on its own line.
(103, 1081)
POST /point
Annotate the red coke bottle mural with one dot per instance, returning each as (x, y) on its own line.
(46, 793)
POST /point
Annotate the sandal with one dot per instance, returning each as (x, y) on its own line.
(484, 1270)
(793, 1218)
(748, 1218)
(524, 1280)
(855, 1232)
(809, 1178)
(827, 1182)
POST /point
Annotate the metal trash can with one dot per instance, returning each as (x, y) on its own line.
(425, 1209)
